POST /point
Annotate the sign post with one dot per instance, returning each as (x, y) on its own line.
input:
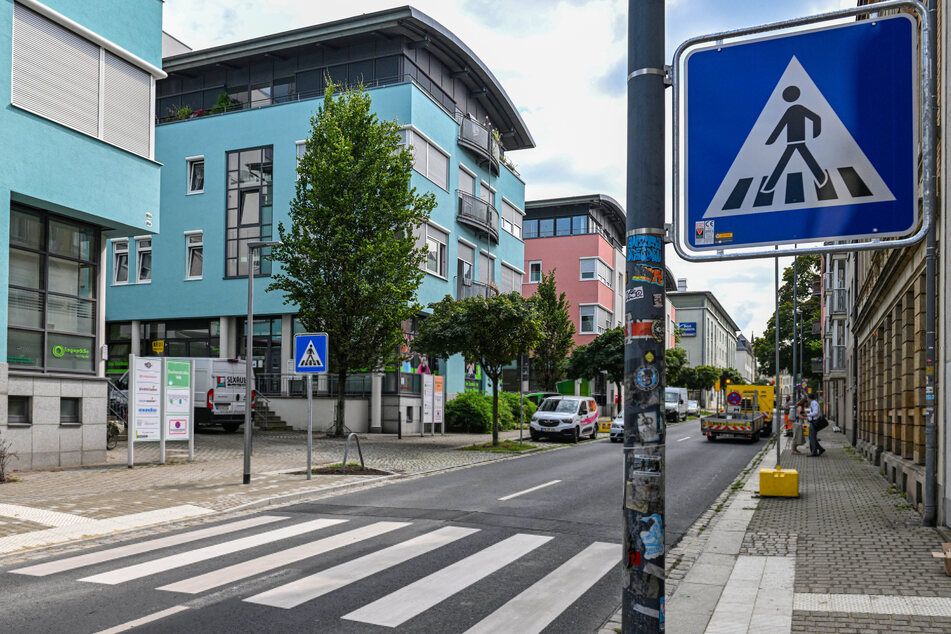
(310, 358)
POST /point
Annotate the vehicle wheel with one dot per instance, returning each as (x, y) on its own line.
(712, 437)
(112, 437)
(231, 427)
(594, 431)
(755, 437)
(614, 440)
(576, 436)
(533, 434)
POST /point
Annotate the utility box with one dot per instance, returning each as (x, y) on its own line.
(779, 482)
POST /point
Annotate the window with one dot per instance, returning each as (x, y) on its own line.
(301, 153)
(120, 262)
(61, 76)
(487, 194)
(428, 160)
(18, 410)
(534, 272)
(465, 256)
(466, 181)
(143, 255)
(589, 268)
(434, 241)
(196, 174)
(594, 319)
(579, 225)
(546, 227)
(486, 268)
(511, 219)
(193, 255)
(563, 226)
(248, 208)
(52, 300)
(69, 411)
(511, 280)
(531, 228)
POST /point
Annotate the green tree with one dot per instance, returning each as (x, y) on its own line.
(764, 347)
(491, 331)
(349, 258)
(605, 352)
(731, 375)
(701, 378)
(558, 330)
(675, 361)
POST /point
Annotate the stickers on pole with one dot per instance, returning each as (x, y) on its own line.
(799, 155)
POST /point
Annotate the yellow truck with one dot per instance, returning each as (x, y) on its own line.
(749, 413)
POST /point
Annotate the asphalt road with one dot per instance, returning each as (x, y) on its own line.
(524, 545)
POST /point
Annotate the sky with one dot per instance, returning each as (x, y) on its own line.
(563, 63)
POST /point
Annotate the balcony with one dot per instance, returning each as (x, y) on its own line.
(466, 288)
(478, 214)
(837, 302)
(479, 139)
(817, 327)
(816, 288)
(836, 358)
(816, 366)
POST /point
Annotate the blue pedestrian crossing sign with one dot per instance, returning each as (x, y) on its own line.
(310, 353)
(803, 137)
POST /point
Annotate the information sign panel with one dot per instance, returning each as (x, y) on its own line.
(146, 410)
(178, 399)
(438, 398)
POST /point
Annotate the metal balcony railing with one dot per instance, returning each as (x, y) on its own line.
(469, 288)
(479, 139)
(816, 366)
(817, 327)
(478, 214)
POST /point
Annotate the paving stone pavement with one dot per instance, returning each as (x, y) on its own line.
(213, 481)
(855, 542)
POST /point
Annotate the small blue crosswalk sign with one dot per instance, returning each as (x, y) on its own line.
(310, 353)
(803, 137)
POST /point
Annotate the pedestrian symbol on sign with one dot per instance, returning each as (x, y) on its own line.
(311, 358)
(817, 144)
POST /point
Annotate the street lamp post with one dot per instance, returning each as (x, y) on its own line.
(249, 327)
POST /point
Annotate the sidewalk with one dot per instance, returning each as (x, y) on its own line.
(56, 506)
(849, 555)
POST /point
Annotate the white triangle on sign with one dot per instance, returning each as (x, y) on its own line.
(311, 358)
(796, 139)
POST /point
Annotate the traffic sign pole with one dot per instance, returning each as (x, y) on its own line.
(310, 423)
(645, 325)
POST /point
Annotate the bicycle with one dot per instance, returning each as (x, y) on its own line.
(112, 435)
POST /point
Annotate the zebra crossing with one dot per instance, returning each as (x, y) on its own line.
(360, 555)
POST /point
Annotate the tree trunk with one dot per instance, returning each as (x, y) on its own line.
(341, 401)
(495, 412)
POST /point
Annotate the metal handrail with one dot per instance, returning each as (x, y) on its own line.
(118, 403)
(346, 450)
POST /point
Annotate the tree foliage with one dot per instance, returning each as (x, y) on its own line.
(675, 363)
(605, 352)
(491, 331)
(349, 259)
(764, 347)
(558, 329)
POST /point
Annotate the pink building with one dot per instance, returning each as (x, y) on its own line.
(582, 239)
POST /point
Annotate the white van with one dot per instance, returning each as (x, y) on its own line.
(675, 403)
(565, 417)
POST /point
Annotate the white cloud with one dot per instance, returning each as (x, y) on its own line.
(563, 63)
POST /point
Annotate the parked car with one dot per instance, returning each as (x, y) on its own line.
(693, 408)
(617, 428)
(538, 397)
(565, 417)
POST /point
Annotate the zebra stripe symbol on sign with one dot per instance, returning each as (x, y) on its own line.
(311, 358)
(799, 155)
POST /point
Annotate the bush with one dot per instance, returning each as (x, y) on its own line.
(511, 402)
(471, 412)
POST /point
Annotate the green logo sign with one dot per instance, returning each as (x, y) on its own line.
(61, 351)
(178, 373)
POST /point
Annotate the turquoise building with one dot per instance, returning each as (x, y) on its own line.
(77, 84)
(231, 125)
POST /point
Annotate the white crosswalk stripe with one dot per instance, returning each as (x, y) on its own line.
(209, 552)
(243, 570)
(79, 561)
(414, 599)
(295, 593)
(536, 607)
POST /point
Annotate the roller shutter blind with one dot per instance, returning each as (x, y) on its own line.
(127, 103)
(55, 72)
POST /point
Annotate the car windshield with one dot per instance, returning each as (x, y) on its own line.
(559, 405)
(670, 397)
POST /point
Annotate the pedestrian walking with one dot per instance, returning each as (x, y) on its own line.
(798, 438)
(817, 422)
